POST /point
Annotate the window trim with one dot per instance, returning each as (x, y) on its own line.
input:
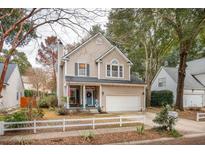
(118, 65)
(164, 78)
(86, 69)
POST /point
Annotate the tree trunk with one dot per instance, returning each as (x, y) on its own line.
(148, 94)
(184, 48)
(3, 74)
(54, 77)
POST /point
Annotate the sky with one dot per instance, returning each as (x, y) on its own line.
(64, 34)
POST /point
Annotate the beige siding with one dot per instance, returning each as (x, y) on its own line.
(122, 91)
(88, 54)
(107, 60)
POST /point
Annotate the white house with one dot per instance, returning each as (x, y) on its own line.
(194, 85)
(13, 87)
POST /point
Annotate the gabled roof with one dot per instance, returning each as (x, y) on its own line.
(189, 83)
(110, 50)
(84, 43)
(196, 66)
(11, 68)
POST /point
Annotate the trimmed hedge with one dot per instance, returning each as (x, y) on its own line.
(28, 93)
(158, 98)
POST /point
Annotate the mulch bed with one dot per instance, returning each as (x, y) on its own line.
(97, 139)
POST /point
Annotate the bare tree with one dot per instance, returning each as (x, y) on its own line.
(18, 26)
(38, 78)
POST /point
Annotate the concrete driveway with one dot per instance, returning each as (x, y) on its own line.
(185, 126)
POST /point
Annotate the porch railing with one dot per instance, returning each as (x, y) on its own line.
(68, 123)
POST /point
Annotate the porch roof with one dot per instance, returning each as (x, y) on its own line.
(134, 80)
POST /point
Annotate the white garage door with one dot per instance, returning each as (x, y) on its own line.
(192, 100)
(122, 103)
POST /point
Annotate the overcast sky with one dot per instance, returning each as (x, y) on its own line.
(64, 34)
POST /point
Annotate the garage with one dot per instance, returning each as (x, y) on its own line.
(193, 100)
(123, 103)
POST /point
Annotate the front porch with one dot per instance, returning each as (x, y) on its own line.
(83, 97)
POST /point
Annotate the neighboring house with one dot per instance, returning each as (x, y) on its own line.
(13, 88)
(98, 73)
(194, 85)
(29, 86)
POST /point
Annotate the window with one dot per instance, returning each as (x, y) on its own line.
(82, 69)
(162, 82)
(114, 69)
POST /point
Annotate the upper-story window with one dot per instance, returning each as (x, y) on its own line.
(162, 82)
(82, 69)
(114, 69)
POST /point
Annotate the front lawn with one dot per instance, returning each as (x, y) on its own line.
(51, 114)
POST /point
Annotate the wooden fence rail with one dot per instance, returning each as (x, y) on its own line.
(200, 116)
(64, 123)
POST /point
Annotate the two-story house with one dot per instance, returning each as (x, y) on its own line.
(98, 72)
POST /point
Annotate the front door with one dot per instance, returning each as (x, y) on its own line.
(89, 97)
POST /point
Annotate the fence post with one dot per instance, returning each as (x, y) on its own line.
(64, 125)
(34, 126)
(93, 123)
(120, 121)
(197, 116)
(1, 127)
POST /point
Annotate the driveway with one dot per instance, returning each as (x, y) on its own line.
(185, 126)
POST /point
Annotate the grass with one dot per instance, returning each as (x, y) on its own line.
(2, 118)
(52, 114)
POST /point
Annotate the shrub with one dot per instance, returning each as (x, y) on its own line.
(140, 129)
(160, 98)
(88, 135)
(47, 101)
(52, 99)
(22, 141)
(62, 111)
(164, 119)
(17, 116)
(43, 103)
(37, 113)
(28, 93)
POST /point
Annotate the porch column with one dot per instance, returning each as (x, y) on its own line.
(81, 94)
(100, 95)
(84, 98)
(68, 97)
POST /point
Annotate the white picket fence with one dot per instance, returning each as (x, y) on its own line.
(66, 123)
(200, 116)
